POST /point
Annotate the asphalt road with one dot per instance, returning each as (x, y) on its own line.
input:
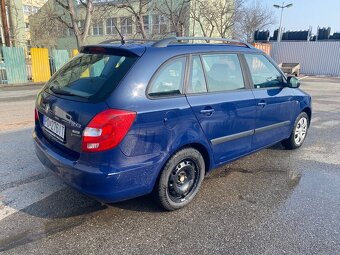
(273, 202)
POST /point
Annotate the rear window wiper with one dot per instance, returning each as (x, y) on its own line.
(59, 91)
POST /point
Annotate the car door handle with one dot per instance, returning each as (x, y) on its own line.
(207, 111)
(262, 104)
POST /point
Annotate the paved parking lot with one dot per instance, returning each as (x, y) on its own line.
(272, 202)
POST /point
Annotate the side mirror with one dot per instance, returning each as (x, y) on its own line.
(293, 82)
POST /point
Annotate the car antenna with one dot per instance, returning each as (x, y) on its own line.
(120, 35)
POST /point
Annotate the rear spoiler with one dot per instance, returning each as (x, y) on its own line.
(118, 50)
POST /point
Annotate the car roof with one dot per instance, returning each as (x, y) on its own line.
(173, 45)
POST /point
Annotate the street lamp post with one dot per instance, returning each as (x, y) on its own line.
(281, 7)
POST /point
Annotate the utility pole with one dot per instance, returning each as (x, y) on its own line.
(279, 34)
(4, 23)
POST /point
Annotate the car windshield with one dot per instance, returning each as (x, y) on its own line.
(90, 76)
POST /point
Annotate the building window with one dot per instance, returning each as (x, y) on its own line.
(97, 27)
(146, 23)
(27, 9)
(35, 9)
(159, 24)
(81, 26)
(110, 26)
(27, 26)
(126, 25)
(68, 31)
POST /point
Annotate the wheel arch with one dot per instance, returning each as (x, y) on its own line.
(204, 152)
(201, 148)
(308, 111)
(198, 146)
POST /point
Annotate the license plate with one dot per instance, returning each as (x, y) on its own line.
(56, 129)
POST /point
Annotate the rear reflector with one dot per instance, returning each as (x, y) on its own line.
(106, 130)
(36, 115)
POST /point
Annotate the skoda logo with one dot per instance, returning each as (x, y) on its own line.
(47, 108)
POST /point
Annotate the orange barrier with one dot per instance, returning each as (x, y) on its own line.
(265, 47)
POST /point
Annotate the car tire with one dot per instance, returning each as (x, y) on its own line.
(299, 132)
(180, 179)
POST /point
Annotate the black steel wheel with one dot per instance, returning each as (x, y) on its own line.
(180, 179)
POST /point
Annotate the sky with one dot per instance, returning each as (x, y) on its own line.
(305, 13)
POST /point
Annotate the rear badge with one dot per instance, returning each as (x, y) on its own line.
(75, 133)
(65, 117)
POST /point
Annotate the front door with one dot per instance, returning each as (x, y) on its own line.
(222, 104)
(274, 102)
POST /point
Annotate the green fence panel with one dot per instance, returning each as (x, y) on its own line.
(60, 57)
(15, 64)
(97, 68)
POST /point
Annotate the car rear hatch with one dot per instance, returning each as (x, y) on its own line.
(76, 94)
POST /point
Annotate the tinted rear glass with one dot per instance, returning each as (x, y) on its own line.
(90, 77)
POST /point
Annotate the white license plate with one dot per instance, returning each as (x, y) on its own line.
(54, 127)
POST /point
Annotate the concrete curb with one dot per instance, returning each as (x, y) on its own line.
(22, 85)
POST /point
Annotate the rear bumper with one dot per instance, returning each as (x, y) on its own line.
(96, 181)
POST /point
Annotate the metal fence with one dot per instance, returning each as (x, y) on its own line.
(18, 67)
(315, 58)
(3, 74)
(14, 63)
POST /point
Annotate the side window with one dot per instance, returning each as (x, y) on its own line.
(169, 79)
(223, 72)
(196, 81)
(263, 73)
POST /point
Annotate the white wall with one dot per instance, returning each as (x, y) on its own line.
(316, 58)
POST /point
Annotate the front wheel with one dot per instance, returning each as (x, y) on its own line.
(299, 132)
(180, 179)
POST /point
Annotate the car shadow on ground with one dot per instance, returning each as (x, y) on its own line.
(59, 212)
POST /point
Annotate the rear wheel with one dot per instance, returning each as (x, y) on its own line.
(299, 132)
(180, 179)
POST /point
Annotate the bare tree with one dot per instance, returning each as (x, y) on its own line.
(176, 12)
(215, 17)
(16, 37)
(200, 17)
(251, 18)
(138, 9)
(71, 20)
(46, 28)
(4, 23)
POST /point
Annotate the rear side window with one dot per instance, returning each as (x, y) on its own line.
(90, 76)
(196, 80)
(264, 74)
(223, 72)
(169, 79)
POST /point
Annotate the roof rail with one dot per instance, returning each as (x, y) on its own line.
(127, 41)
(165, 42)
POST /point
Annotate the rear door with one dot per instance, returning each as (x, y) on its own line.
(222, 103)
(274, 101)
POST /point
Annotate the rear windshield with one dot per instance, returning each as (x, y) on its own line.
(90, 77)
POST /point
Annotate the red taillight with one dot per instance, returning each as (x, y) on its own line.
(95, 50)
(106, 130)
(36, 115)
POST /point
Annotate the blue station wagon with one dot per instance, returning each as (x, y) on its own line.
(123, 120)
